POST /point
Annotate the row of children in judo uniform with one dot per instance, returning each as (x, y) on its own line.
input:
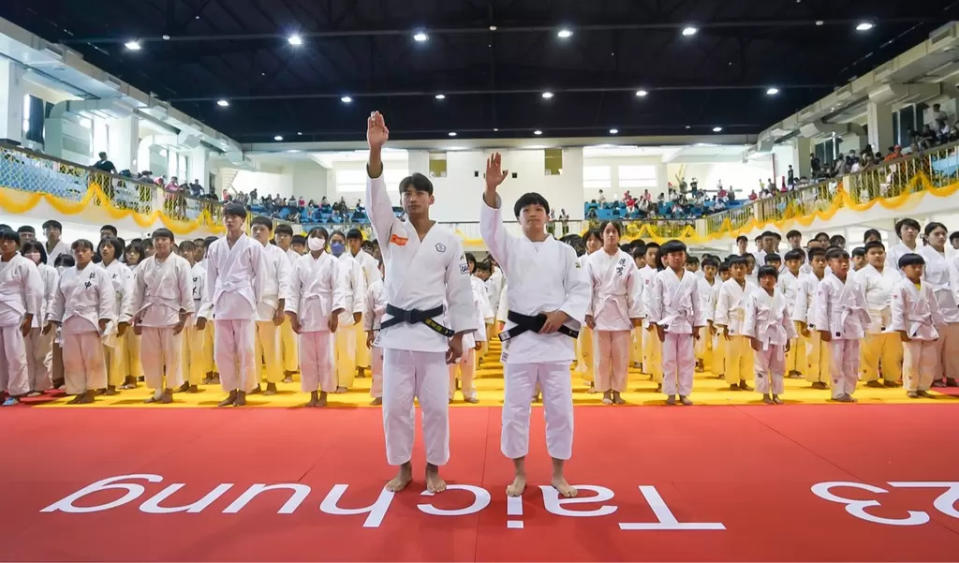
(893, 317)
(152, 318)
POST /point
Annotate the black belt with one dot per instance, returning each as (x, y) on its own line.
(533, 323)
(414, 316)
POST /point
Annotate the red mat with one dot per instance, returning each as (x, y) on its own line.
(736, 483)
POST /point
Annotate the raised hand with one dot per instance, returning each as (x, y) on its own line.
(494, 171)
(376, 131)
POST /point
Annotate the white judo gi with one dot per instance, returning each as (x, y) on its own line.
(767, 320)
(21, 293)
(704, 346)
(318, 286)
(114, 345)
(897, 251)
(162, 295)
(881, 350)
(675, 304)
(289, 340)
(541, 277)
(840, 309)
(615, 300)
(942, 277)
(371, 273)
(465, 366)
(730, 313)
(915, 311)
(420, 275)
(346, 337)
(652, 347)
(60, 248)
(194, 349)
(234, 288)
(39, 345)
(788, 284)
(719, 342)
(817, 352)
(275, 286)
(375, 308)
(83, 298)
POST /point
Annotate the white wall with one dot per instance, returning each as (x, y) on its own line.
(265, 183)
(309, 180)
(742, 176)
(615, 191)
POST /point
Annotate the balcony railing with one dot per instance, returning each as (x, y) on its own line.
(29, 171)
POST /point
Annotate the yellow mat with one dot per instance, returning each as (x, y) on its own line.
(707, 390)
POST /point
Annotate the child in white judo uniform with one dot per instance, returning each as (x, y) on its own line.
(114, 341)
(547, 295)
(318, 291)
(940, 274)
(674, 307)
(269, 309)
(817, 350)
(614, 310)
(881, 350)
(465, 366)
(85, 303)
(283, 235)
(728, 318)
(162, 303)
(346, 338)
(21, 292)
(916, 317)
(425, 265)
(788, 284)
(770, 330)
(194, 350)
(234, 288)
(708, 290)
(372, 317)
(841, 317)
(39, 345)
(652, 346)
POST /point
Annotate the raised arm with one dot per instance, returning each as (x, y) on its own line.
(378, 206)
(491, 221)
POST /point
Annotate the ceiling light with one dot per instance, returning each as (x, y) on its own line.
(819, 23)
(295, 40)
(495, 129)
(864, 26)
(346, 100)
(547, 95)
(537, 132)
(278, 137)
(613, 131)
(132, 45)
(165, 37)
(452, 133)
(223, 103)
(642, 93)
(772, 91)
(420, 36)
(299, 132)
(689, 31)
(440, 96)
(717, 129)
(493, 28)
(564, 33)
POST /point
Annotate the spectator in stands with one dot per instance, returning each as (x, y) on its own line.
(104, 164)
(753, 196)
(602, 197)
(196, 189)
(939, 117)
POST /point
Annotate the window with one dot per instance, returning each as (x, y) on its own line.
(637, 176)
(598, 177)
(907, 119)
(32, 118)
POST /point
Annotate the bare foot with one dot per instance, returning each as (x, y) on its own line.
(434, 483)
(565, 490)
(517, 487)
(402, 479)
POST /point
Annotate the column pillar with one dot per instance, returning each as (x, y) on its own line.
(879, 120)
(11, 100)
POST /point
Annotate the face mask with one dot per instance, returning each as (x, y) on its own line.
(337, 248)
(35, 256)
(316, 244)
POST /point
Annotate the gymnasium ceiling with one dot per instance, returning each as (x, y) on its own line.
(492, 61)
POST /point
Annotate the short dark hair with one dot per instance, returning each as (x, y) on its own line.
(34, 245)
(822, 235)
(836, 254)
(910, 259)
(9, 234)
(874, 244)
(262, 220)
(26, 229)
(298, 239)
(736, 261)
(724, 267)
(772, 257)
(594, 233)
(81, 243)
(651, 244)
(954, 235)
(742, 237)
(672, 246)
(795, 254)
(52, 223)
(793, 233)
(163, 233)
(470, 257)
(64, 260)
(690, 259)
(336, 233)
(235, 210)
(816, 252)
(354, 234)
(283, 229)
(187, 245)
(834, 240)
(116, 243)
(209, 240)
(858, 251)
(907, 222)
(710, 261)
(419, 183)
(531, 198)
(870, 233)
(110, 228)
(317, 232)
(616, 225)
(767, 271)
(932, 226)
